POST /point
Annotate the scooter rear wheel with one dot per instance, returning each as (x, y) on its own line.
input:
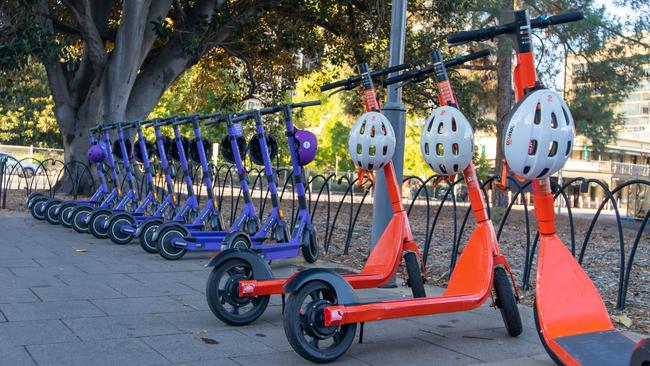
(80, 218)
(304, 324)
(222, 293)
(146, 236)
(50, 212)
(506, 302)
(114, 228)
(165, 247)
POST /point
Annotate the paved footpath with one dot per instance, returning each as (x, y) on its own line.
(71, 299)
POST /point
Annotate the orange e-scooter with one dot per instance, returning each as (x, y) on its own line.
(571, 318)
(321, 315)
(241, 282)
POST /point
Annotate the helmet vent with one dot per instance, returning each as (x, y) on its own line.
(359, 149)
(553, 149)
(372, 150)
(441, 128)
(526, 169)
(442, 169)
(543, 173)
(430, 126)
(568, 148)
(553, 120)
(362, 130)
(370, 166)
(532, 147)
(454, 149)
(385, 150)
(440, 150)
(538, 114)
(455, 168)
(372, 131)
(453, 124)
(426, 148)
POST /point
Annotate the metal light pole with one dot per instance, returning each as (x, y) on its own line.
(395, 111)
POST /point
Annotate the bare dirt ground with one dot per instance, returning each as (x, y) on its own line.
(602, 259)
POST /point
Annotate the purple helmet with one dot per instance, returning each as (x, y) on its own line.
(96, 154)
(307, 146)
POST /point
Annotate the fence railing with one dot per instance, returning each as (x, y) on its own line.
(440, 216)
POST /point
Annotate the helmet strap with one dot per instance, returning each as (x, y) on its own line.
(365, 176)
(502, 184)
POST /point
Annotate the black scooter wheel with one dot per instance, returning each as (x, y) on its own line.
(165, 247)
(237, 240)
(413, 269)
(37, 207)
(506, 302)
(80, 217)
(51, 215)
(65, 214)
(304, 324)
(115, 224)
(310, 247)
(146, 236)
(222, 293)
(99, 223)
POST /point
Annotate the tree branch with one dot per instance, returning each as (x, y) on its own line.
(90, 34)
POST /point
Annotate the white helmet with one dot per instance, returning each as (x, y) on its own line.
(447, 141)
(372, 141)
(539, 135)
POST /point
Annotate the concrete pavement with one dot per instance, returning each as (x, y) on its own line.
(71, 299)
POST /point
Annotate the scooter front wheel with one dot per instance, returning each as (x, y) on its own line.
(506, 302)
(50, 212)
(99, 223)
(37, 207)
(115, 225)
(165, 247)
(146, 236)
(65, 214)
(80, 221)
(304, 324)
(222, 293)
(310, 247)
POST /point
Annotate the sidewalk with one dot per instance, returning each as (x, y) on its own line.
(71, 299)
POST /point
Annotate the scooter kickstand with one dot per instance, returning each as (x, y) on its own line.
(361, 333)
(283, 298)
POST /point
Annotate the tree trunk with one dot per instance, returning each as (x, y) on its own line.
(504, 103)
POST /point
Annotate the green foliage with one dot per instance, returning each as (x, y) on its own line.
(26, 108)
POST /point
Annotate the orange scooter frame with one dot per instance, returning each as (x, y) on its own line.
(471, 281)
(570, 316)
(333, 312)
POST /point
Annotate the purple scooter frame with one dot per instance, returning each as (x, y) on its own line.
(246, 219)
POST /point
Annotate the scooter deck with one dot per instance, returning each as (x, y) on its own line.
(570, 314)
(608, 348)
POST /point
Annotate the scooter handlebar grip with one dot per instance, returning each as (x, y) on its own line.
(572, 16)
(310, 103)
(334, 85)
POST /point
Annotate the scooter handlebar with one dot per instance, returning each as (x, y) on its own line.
(484, 34)
(458, 60)
(354, 80)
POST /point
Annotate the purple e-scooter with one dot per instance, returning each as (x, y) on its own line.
(246, 220)
(302, 147)
(148, 229)
(98, 218)
(79, 215)
(124, 226)
(51, 209)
